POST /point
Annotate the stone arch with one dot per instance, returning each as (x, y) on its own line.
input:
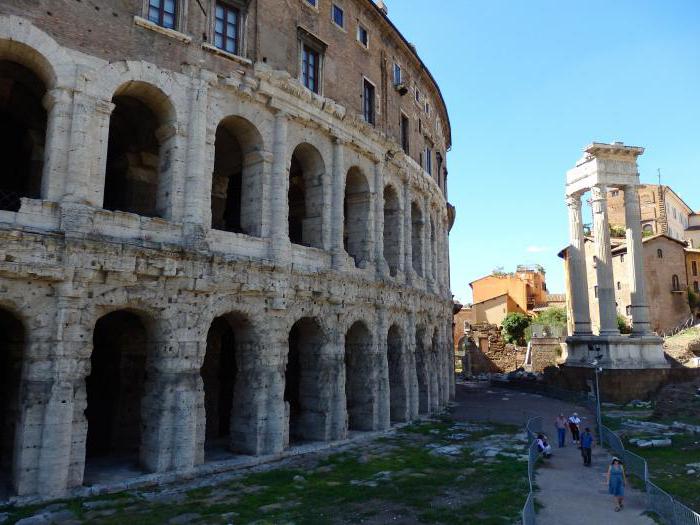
(305, 196)
(359, 377)
(307, 377)
(23, 122)
(228, 348)
(356, 207)
(417, 225)
(236, 193)
(123, 341)
(422, 370)
(392, 229)
(398, 374)
(13, 342)
(142, 130)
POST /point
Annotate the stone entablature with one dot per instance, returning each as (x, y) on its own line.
(364, 303)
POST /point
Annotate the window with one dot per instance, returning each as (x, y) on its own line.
(429, 161)
(397, 74)
(614, 193)
(313, 3)
(619, 286)
(659, 253)
(310, 60)
(404, 134)
(675, 283)
(338, 16)
(622, 258)
(648, 228)
(417, 94)
(420, 126)
(694, 266)
(162, 12)
(696, 288)
(368, 101)
(595, 291)
(427, 108)
(438, 162)
(362, 36)
(226, 28)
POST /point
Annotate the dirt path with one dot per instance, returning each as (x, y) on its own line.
(568, 492)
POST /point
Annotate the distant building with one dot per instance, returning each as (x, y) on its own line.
(499, 294)
(664, 212)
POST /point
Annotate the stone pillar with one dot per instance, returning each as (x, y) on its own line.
(59, 105)
(338, 216)
(407, 233)
(279, 188)
(414, 396)
(380, 263)
(601, 236)
(100, 141)
(578, 280)
(79, 155)
(427, 255)
(197, 180)
(382, 363)
(638, 298)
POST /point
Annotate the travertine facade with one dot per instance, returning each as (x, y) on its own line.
(197, 251)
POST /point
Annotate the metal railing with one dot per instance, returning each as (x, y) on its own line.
(669, 509)
(533, 427)
(688, 323)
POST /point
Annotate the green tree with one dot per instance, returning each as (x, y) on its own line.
(622, 325)
(552, 316)
(513, 326)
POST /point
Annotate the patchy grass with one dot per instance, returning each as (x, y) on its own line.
(398, 475)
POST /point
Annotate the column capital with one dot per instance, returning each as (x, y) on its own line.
(573, 200)
(56, 96)
(104, 107)
(599, 192)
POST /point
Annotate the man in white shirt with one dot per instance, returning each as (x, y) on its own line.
(574, 423)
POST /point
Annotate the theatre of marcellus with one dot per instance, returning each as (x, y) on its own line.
(223, 233)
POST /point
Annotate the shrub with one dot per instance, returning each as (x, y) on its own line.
(622, 325)
(514, 325)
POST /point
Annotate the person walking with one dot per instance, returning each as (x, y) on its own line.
(574, 422)
(586, 446)
(617, 482)
(560, 424)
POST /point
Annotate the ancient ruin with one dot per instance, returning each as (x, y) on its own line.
(203, 251)
(607, 166)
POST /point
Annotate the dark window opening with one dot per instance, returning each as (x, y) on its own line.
(22, 134)
(694, 266)
(12, 342)
(405, 134)
(696, 288)
(162, 12)
(368, 102)
(363, 36)
(675, 283)
(305, 196)
(338, 16)
(659, 253)
(226, 28)
(310, 68)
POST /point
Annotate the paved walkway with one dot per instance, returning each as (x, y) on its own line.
(569, 493)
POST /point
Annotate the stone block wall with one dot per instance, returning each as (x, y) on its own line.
(307, 341)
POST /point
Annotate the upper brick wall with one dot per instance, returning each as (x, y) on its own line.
(107, 29)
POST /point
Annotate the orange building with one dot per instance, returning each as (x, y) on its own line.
(499, 294)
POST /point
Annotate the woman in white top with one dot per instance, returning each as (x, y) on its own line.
(574, 422)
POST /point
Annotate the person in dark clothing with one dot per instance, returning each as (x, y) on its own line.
(586, 446)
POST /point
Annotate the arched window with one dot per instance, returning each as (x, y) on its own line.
(22, 134)
(675, 283)
(356, 207)
(648, 229)
(306, 196)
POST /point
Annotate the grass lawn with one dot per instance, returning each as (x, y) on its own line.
(425, 472)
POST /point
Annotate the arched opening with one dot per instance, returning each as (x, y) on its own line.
(306, 196)
(422, 372)
(398, 402)
(304, 378)
(12, 342)
(227, 338)
(236, 191)
(392, 231)
(141, 133)
(115, 389)
(675, 283)
(356, 213)
(22, 134)
(359, 371)
(417, 224)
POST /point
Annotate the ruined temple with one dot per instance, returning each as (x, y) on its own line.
(223, 232)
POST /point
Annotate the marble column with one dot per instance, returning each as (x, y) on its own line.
(601, 236)
(578, 280)
(337, 213)
(638, 299)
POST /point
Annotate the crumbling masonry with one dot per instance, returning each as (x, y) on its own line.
(205, 260)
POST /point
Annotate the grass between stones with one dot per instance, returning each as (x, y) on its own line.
(435, 472)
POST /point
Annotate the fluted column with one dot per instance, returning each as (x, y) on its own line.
(337, 213)
(638, 299)
(279, 225)
(578, 279)
(601, 236)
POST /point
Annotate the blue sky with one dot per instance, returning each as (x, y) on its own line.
(528, 85)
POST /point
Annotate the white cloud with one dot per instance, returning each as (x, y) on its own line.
(538, 249)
